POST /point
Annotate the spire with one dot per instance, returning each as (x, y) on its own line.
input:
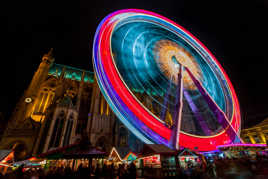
(40, 74)
(48, 57)
(50, 51)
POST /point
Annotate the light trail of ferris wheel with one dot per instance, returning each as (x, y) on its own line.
(130, 48)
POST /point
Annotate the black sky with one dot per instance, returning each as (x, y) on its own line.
(235, 32)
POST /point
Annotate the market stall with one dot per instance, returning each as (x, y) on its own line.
(157, 160)
(188, 158)
(73, 156)
(30, 163)
(130, 157)
(120, 155)
(240, 150)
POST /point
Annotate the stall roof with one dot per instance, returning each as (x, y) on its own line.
(188, 152)
(86, 153)
(77, 150)
(152, 149)
(130, 157)
(114, 155)
(121, 153)
(4, 153)
(57, 152)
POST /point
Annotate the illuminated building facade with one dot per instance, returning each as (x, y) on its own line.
(257, 134)
(61, 105)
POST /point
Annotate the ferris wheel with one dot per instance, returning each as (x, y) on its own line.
(163, 83)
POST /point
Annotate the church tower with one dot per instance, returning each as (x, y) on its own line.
(61, 105)
(23, 126)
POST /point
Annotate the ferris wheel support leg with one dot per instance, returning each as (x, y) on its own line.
(219, 114)
(175, 135)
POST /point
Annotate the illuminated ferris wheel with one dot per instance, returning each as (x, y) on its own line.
(163, 83)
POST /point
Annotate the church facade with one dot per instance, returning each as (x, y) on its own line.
(62, 105)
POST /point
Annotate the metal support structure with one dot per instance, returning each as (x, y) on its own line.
(197, 114)
(175, 135)
(219, 114)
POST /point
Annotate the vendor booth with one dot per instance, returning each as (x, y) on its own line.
(73, 156)
(130, 157)
(240, 150)
(188, 158)
(120, 155)
(156, 160)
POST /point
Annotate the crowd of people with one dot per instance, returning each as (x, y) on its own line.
(121, 171)
(227, 168)
(242, 167)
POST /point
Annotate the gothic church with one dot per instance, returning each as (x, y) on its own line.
(61, 105)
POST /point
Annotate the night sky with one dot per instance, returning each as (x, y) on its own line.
(235, 32)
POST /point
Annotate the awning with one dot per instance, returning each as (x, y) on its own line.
(86, 153)
(187, 152)
(119, 154)
(74, 151)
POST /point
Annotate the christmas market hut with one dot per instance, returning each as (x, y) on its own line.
(188, 157)
(120, 155)
(74, 155)
(240, 150)
(157, 159)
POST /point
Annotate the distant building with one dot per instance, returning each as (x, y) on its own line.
(257, 134)
(61, 105)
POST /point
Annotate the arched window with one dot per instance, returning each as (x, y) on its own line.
(57, 130)
(68, 131)
(123, 136)
(53, 136)
(102, 143)
(43, 100)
